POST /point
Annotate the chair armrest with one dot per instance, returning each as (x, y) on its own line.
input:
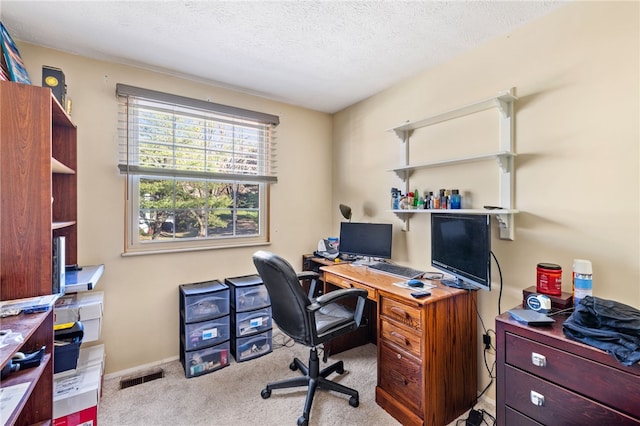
(307, 275)
(313, 277)
(335, 295)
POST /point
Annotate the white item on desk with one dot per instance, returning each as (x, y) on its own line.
(403, 284)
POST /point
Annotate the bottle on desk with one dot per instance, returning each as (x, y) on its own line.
(582, 280)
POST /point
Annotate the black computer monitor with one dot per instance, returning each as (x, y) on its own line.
(461, 247)
(370, 240)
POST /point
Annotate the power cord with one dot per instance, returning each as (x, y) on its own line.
(477, 418)
(499, 273)
(285, 341)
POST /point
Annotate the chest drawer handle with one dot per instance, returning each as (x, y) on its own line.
(400, 338)
(538, 360)
(400, 312)
(537, 399)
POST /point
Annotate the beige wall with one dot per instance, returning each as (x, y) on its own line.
(577, 184)
(141, 316)
(577, 135)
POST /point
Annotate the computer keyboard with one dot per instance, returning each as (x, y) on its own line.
(401, 271)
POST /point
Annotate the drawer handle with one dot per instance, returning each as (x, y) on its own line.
(537, 399)
(400, 338)
(400, 378)
(538, 360)
(399, 312)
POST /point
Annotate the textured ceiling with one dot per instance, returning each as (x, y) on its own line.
(323, 55)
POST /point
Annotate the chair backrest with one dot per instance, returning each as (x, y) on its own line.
(288, 299)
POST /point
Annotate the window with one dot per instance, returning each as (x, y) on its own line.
(197, 173)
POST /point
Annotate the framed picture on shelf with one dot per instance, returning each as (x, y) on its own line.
(12, 58)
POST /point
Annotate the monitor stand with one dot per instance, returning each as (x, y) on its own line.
(365, 261)
(458, 283)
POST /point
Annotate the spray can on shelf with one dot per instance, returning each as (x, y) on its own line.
(582, 280)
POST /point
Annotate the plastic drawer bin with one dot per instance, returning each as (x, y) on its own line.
(202, 301)
(248, 323)
(203, 361)
(248, 293)
(66, 356)
(206, 333)
(246, 348)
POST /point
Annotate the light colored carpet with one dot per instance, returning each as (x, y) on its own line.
(231, 395)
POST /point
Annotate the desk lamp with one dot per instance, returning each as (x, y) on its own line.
(346, 211)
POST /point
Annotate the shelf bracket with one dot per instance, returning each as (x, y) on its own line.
(404, 217)
(504, 107)
(403, 175)
(403, 134)
(506, 222)
(505, 163)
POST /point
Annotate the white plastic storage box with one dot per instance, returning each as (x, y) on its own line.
(246, 348)
(207, 360)
(252, 322)
(206, 333)
(205, 300)
(248, 293)
(85, 307)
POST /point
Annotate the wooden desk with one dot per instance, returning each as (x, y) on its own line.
(427, 348)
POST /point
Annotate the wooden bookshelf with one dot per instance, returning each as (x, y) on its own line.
(38, 183)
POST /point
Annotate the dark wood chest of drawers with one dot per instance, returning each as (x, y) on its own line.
(545, 378)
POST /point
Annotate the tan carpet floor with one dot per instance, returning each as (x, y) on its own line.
(231, 395)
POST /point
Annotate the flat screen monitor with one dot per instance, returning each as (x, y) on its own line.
(461, 247)
(369, 240)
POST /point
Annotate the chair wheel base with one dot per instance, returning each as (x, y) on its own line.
(353, 401)
(266, 393)
(302, 421)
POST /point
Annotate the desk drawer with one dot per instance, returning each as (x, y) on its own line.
(372, 293)
(408, 315)
(401, 376)
(559, 406)
(402, 337)
(613, 387)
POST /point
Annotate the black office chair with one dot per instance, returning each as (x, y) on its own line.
(310, 322)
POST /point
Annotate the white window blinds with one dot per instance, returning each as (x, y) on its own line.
(169, 135)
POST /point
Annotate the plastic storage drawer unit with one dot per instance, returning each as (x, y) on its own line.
(205, 300)
(246, 348)
(248, 293)
(205, 360)
(247, 323)
(202, 334)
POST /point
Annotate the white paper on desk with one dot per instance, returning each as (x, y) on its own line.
(9, 399)
(403, 284)
(29, 302)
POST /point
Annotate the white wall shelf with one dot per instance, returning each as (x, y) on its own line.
(503, 102)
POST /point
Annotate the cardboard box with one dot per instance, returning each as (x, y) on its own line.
(85, 307)
(87, 417)
(76, 397)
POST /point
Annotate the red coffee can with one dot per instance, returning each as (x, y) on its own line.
(549, 279)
